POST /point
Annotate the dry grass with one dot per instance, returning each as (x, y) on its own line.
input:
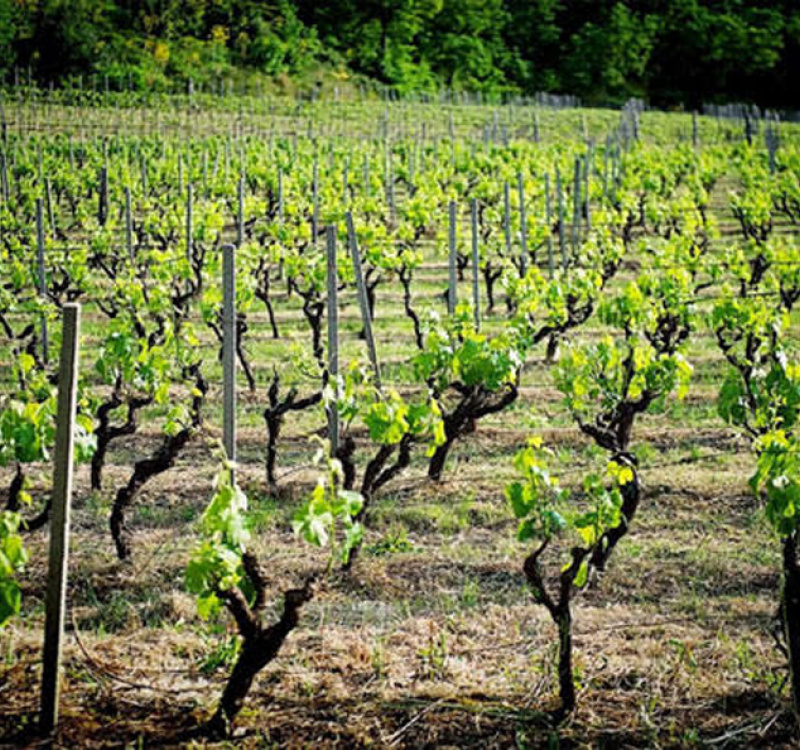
(439, 646)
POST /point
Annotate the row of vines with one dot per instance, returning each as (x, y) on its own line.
(656, 236)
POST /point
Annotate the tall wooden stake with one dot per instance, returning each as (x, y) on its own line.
(452, 289)
(363, 301)
(523, 227)
(333, 338)
(229, 349)
(476, 290)
(55, 603)
(42, 275)
(128, 224)
(189, 229)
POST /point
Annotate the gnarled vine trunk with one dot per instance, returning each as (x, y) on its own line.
(259, 647)
(790, 614)
(144, 470)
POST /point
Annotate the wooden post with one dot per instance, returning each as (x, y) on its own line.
(507, 218)
(229, 350)
(576, 208)
(475, 270)
(772, 144)
(128, 224)
(102, 197)
(50, 209)
(523, 227)
(55, 603)
(695, 131)
(390, 186)
(452, 289)
(240, 214)
(562, 239)
(41, 274)
(4, 178)
(363, 301)
(333, 338)
(587, 208)
(227, 164)
(189, 229)
(40, 164)
(144, 176)
(548, 213)
(315, 204)
(280, 194)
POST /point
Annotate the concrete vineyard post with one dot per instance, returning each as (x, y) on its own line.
(48, 188)
(41, 274)
(507, 218)
(229, 349)
(452, 278)
(102, 197)
(587, 207)
(548, 213)
(475, 269)
(562, 238)
(4, 177)
(240, 213)
(280, 195)
(576, 209)
(189, 229)
(363, 301)
(523, 227)
(315, 204)
(55, 602)
(128, 225)
(333, 338)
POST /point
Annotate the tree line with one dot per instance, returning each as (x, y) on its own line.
(670, 52)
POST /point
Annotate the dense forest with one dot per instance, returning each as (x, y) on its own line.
(669, 52)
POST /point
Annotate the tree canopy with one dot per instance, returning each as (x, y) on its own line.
(605, 51)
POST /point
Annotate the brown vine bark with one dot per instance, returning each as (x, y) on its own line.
(475, 402)
(274, 416)
(561, 613)
(790, 614)
(107, 432)
(260, 643)
(144, 470)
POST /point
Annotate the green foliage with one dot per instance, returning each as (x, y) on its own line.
(535, 498)
(328, 508)
(386, 414)
(28, 424)
(609, 372)
(777, 478)
(216, 563)
(609, 50)
(545, 510)
(769, 399)
(456, 352)
(13, 557)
